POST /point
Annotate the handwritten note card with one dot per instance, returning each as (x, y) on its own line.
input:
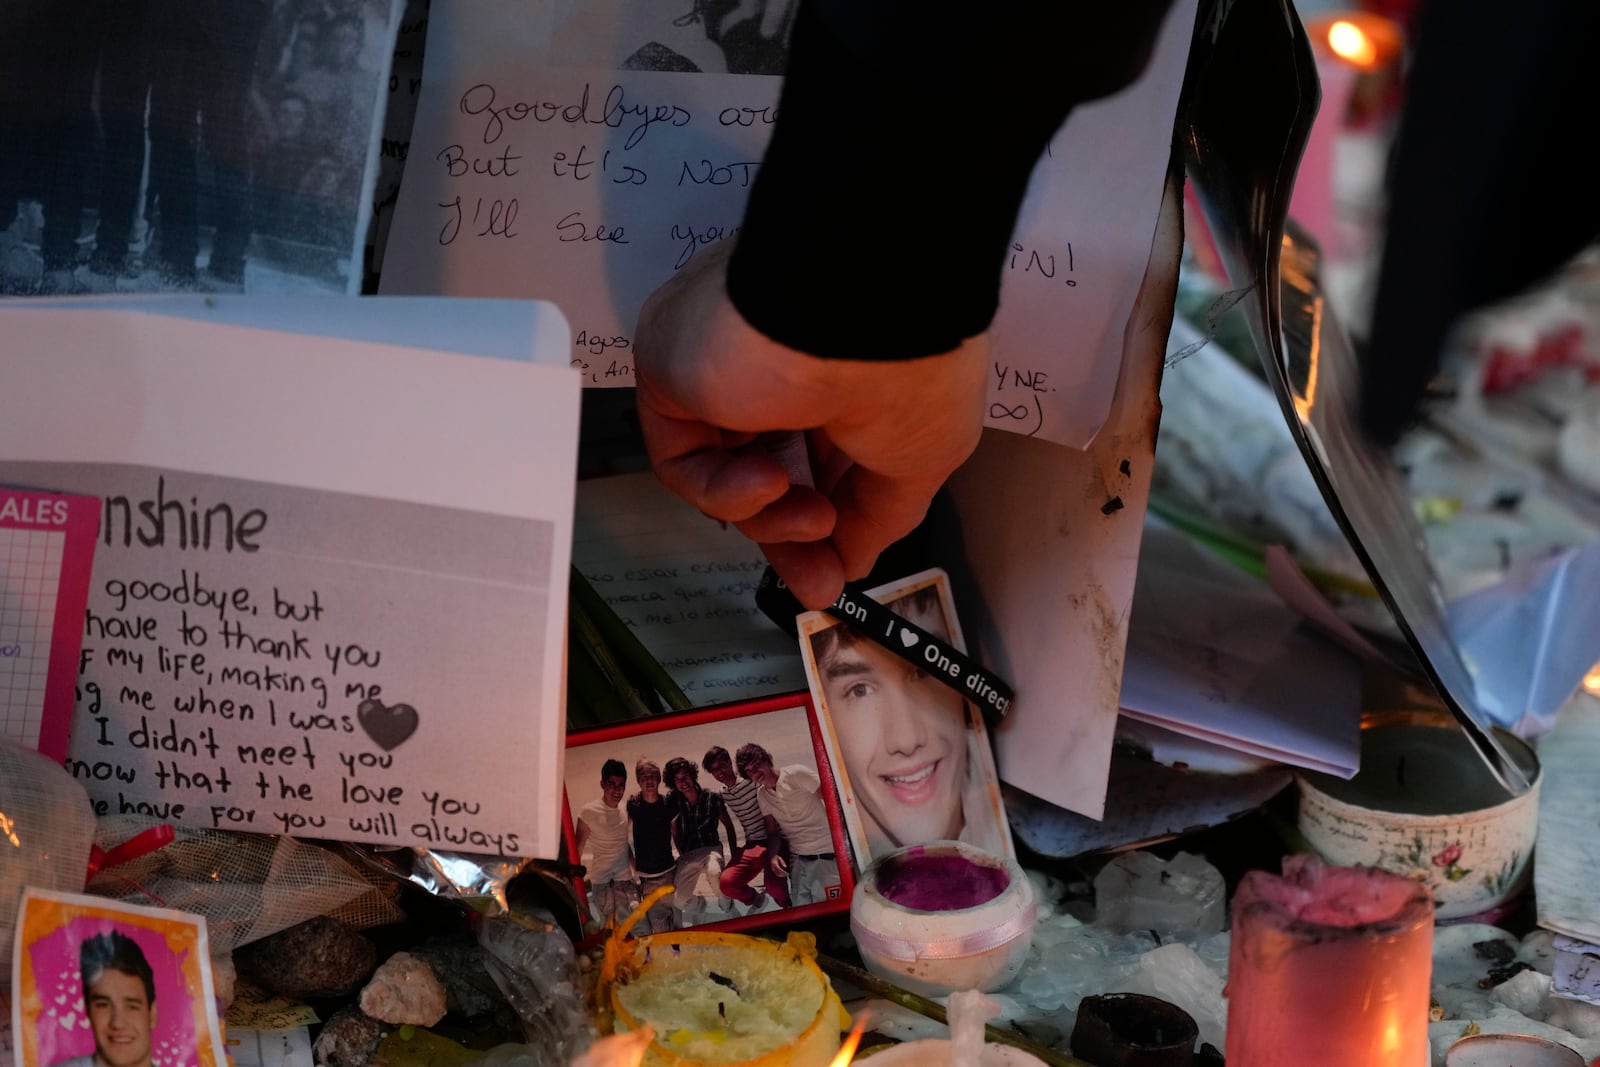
(328, 593)
(1567, 865)
(46, 547)
(686, 586)
(589, 186)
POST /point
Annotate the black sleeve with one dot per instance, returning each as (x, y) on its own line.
(906, 133)
(1491, 186)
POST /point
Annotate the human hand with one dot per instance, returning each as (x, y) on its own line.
(780, 866)
(883, 436)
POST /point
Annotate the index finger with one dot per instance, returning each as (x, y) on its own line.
(875, 511)
(690, 458)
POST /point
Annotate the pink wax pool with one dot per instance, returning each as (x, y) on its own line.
(940, 881)
(943, 916)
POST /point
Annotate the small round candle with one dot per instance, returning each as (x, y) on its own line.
(943, 916)
(1510, 1050)
(721, 1000)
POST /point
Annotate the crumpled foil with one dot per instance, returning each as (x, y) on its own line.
(490, 885)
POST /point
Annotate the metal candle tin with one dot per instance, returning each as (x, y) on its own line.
(1425, 806)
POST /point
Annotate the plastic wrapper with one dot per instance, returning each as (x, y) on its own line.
(46, 830)
(536, 968)
(247, 886)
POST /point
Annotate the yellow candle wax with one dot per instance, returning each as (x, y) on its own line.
(723, 1000)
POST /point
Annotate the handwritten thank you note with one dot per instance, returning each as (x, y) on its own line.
(316, 636)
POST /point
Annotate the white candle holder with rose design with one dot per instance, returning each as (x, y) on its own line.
(1425, 806)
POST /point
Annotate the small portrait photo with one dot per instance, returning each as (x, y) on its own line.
(734, 807)
(99, 983)
(913, 754)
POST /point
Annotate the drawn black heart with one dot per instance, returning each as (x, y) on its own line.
(388, 726)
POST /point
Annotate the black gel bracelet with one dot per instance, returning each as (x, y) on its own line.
(923, 650)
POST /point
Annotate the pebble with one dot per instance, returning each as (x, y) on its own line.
(348, 1039)
(318, 958)
(405, 991)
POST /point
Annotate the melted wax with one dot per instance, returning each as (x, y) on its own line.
(940, 882)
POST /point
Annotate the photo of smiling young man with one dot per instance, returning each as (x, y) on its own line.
(917, 762)
(119, 991)
(604, 850)
(105, 983)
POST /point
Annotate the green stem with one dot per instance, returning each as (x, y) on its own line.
(589, 699)
(886, 990)
(615, 633)
(585, 634)
(1249, 556)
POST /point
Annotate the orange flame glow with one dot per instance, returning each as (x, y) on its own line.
(1350, 42)
(852, 1041)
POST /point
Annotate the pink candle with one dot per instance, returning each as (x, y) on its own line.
(1329, 968)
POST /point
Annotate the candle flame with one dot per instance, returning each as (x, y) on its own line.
(1591, 681)
(852, 1041)
(1393, 1038)
(1351, 42)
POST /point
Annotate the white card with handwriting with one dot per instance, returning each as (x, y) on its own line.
(329, 585)
(538, 168)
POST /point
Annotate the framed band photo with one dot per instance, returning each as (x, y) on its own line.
(912, 753)
(97, 981)
(735, 807)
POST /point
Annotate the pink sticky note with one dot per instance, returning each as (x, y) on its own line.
(46, 552)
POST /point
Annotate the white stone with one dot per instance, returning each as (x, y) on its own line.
(1577, 1016)
(405, 992)
(1538, 951)
(223, 978)
(1525, 991)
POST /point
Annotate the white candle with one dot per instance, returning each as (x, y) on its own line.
(969, 1010)
(1510, 1050)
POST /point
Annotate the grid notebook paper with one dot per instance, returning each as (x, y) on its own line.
(46, 549)
(30, 573)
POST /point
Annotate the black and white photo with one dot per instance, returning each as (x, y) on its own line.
(189, 145)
